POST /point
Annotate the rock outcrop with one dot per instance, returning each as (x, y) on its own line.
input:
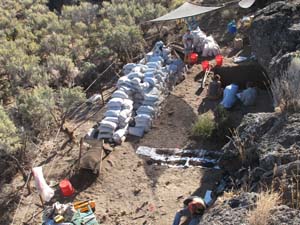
(275, 34)
(235, 212)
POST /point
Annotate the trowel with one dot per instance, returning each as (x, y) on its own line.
(246, 3)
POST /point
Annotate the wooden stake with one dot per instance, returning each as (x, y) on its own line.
(80, 151)
(101, 153)
(42, 201)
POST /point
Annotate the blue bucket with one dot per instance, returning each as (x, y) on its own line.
(232, 27)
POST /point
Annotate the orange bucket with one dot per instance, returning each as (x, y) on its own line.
(66, 188)
(205, 65)
(219, 60)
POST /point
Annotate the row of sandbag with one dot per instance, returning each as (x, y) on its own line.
(205, 44)
(151, 98)
(138, 97)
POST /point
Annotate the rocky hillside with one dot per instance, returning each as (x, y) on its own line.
(264, 152)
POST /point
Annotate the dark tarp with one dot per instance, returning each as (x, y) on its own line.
(184, 11)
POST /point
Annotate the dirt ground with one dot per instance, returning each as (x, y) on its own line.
(129, 190)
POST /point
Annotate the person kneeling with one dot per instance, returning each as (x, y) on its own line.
(248, 96)
(195, 207)
(215, 88)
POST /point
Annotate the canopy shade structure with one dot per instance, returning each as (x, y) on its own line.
(184, 11)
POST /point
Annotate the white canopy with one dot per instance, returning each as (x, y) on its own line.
(185, 10)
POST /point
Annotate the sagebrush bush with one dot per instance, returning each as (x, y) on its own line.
(204, 126)
(262, 213)
(285, 88)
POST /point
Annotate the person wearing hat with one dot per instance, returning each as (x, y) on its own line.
(187, 40)
(194, 209)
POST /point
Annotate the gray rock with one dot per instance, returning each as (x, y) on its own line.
(235, 212)
(268, 139)
(275, 34)
(231, 212)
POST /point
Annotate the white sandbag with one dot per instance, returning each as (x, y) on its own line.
(149, 74)
(156, 58)
(137, 74)
(129, 66)
(142, 117)
(128, 104)
(119, 134)
(136, 131)
(120, 94)
(150, 70)
(109, 124)
(151, 81)
(126, 89)
(105, 130)
(111, 119)
(148, 56)
(145, 85)
(155, 65)
(122, 80)
(124, 114)
(136, 81)
(151, 97)
(114, 108)
(115, 102)
(112, 113)
(104, 136)
(40, 183)
(145, 110)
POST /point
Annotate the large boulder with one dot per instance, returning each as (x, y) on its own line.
(235, 211)
(275, 34)
(264, 140)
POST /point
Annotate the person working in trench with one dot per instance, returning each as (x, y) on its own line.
(194, 210)
(215, 88)
(187, 40)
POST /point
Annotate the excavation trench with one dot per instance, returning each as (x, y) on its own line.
(242, 73)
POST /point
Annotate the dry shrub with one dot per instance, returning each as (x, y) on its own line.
(285, 88)
(265, 202)
(204, 126)
(238, 144)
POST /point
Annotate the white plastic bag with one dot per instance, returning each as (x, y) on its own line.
(43, 188)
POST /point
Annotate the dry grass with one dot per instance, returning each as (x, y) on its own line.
(238, 144)
(261, 214)
(285, 88)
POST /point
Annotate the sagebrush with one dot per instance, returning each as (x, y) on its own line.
(204, 126)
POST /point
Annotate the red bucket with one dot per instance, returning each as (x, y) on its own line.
(66, 188)
(205, 65)
(193, 58)
(219, 60)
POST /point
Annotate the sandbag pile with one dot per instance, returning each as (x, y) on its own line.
(140, 92)
(205, 44)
